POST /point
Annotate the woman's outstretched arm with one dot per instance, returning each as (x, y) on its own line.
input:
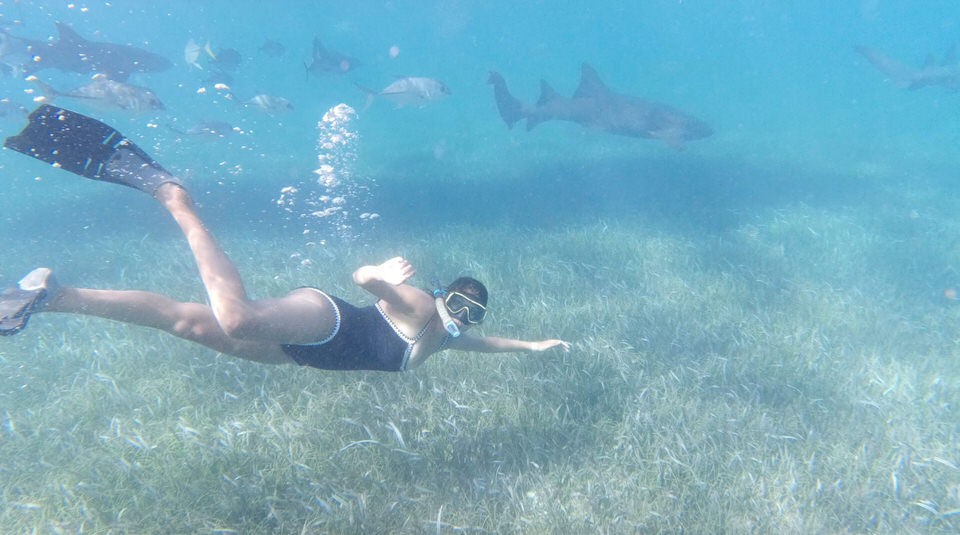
(495, 344)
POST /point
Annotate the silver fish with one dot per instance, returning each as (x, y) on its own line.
(270, 104)
(414, 91)
(107, 93)
(192, 52)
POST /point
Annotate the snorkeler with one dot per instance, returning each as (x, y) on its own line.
(306, 327)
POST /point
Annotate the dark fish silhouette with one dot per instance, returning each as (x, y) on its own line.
(208, 129)
(326, 61)
(946, 74)
(71, 52)
(273, 48)
(226, 60)
(594, 105)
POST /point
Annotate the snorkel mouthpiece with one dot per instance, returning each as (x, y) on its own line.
(448, 323)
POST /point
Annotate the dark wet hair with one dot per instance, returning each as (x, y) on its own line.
(471, 288)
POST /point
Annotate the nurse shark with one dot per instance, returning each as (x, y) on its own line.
(946, 73)
(73, 53)
(594, 105)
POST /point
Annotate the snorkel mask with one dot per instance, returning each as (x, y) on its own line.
(458, 305)
(463, 308)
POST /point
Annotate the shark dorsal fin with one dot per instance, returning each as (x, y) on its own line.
(69, 35)
(318, 48)
(547, 93)
(590, 83)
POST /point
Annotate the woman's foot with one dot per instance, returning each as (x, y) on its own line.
(171, 192)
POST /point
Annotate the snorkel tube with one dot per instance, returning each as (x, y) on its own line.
(448, 323)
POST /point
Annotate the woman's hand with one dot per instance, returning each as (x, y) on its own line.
(550, 344)
(395, 271)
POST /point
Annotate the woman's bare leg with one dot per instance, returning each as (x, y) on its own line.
(301, 317)
(190, 321)
(233, 324)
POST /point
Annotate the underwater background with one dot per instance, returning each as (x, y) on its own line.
(764, 323)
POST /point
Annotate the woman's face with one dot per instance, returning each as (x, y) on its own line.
(464, 309)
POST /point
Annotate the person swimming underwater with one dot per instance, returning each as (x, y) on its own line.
(307, 326)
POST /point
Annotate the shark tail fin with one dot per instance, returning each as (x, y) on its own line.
(370, 96)
(511, 109)
(49, 93)
(900, 74)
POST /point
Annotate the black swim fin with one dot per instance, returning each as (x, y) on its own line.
(16, 305)
(32, 294)
(89, 148)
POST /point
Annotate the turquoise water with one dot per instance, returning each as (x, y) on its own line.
(823, 184)
(780, 85)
